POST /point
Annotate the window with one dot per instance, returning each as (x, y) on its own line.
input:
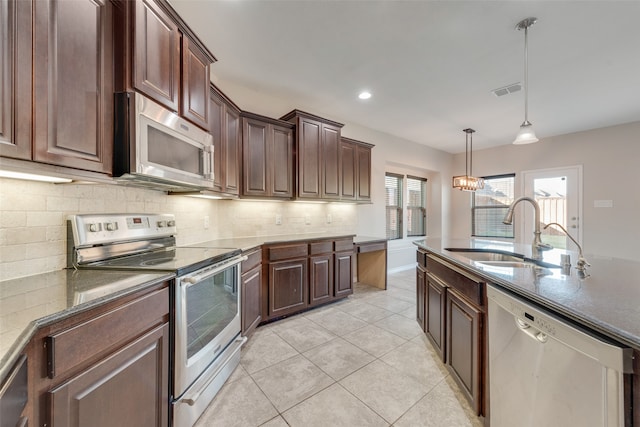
(416, 206)
(490, 205)
(393, 195)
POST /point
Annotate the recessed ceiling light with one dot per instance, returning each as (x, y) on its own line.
(364, 95)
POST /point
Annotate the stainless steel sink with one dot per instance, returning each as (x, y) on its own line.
(498, 258)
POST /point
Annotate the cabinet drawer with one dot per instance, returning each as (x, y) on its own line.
(289, 251)
(320, 247)
(254, 258)
(344, 245)
(372, 247)
(471, 288)
(74, 346)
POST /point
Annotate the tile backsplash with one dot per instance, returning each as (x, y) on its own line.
(33, 218)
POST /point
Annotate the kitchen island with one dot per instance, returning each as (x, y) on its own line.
(453, 277)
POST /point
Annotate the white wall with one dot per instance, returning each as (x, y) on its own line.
(390, 154)
(610, 158)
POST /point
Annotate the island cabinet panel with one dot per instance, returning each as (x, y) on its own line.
(454, 318)
(267, 157)
(421, 277)
(464, 349)
(15, 78)
(156, 68)
(128, 389)
(73, 80)
(251, 292)
(435, 314)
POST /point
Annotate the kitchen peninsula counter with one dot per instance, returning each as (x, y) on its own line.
(607, 301)
(29, 303)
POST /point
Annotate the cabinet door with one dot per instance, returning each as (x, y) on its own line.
(216, 128)
(195, 84)
(344, 274)
(320, 279)
(156, 68)
(364, 172)
(73, 65)
(348, 170)
(15, 78)
(288, 287)
(330, 162)
(464, 327)
(254, 158)
(420, 296)
(435, 310)
(251, 300)
(281, 164)
(309, 154)
(127, 389)
(231, 151)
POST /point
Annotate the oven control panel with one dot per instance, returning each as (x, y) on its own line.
(93, 229)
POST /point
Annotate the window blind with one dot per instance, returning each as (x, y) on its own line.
(490, 205)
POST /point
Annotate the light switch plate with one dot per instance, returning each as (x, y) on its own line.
(278, 219)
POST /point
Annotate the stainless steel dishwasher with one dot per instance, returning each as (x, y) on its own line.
(546, 372)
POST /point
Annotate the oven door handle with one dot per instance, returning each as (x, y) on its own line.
(197, 278)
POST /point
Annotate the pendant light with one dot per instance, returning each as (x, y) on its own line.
(467, 182)
(526, 135)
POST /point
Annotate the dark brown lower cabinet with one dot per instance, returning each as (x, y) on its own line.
(420, 297)
(435, 311)
(251, 300)
(464, 329)
(320, 279)
(344, 273)
(288, 287)
(128, 389)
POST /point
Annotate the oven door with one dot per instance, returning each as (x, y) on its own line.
(207, 320)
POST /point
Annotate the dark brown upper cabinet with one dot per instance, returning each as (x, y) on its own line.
(73, 84)
(318, 156)
(15, 78)
(163, 59)
(355, 169)
(56, 82)
(267, 157)
(226, 131)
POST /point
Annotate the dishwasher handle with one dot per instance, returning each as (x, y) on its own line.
(532, 332)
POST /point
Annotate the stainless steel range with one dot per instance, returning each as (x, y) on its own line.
(206, 297)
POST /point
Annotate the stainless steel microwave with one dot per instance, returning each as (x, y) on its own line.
(154, 147)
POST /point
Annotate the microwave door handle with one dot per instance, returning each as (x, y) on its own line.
(209, 161)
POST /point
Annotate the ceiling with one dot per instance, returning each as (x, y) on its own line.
(431, 65)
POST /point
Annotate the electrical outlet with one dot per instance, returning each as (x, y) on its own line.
(307, 219)
(329, 218)
(278, 219)
(206, 222)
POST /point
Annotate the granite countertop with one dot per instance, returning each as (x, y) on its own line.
(29, 303)
(607, 301)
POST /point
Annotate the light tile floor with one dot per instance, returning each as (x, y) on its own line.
(363, 361)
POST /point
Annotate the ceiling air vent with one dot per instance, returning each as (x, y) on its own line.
(505, 90)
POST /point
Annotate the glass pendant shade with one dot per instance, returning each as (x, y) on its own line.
(526, 134)
(467, 182)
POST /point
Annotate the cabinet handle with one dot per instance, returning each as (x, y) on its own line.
(525, 327)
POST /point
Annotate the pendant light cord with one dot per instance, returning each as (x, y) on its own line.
(526, 75)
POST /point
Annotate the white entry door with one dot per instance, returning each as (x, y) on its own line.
(558, 191)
